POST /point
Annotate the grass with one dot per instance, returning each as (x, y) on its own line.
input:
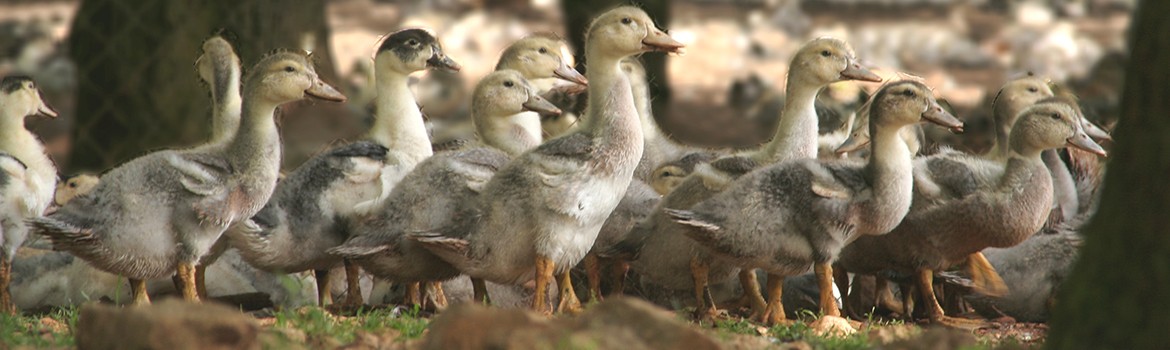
(29, 330)
(316, 323)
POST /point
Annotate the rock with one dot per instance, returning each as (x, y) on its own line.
(892, 333)
(170, 324)
(832, 326)
(935, 338)
(617, 323)
(474, 326)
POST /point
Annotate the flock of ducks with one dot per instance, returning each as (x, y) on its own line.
(511, 201)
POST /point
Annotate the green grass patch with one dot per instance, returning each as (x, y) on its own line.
(317, 323)
(51, 330)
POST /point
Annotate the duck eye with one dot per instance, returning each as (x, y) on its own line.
(509, 83)
(1056, 116)
(289, 69)
(542, 50)
(627, 20)
(908, 93)
(1033, 89)
(412, 42)
(826, 53)
(72, 185)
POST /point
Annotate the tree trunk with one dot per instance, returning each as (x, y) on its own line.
(137, 88)
(1117, 294)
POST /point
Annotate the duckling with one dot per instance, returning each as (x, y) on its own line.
(161, 212)
(74, 186)
(442, 188)
(996, 208)
(309, 211)
(653, 247)
(810, 209)
(670, 175)
(29, 176)
(1032, 271)
(546, 207)
(636, 205)
(538, 59)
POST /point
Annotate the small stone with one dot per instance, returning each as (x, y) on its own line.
(832, 326)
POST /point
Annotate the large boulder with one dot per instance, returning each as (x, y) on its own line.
(170, 324)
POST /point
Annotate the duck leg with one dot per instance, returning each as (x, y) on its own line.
(436, 295)
(751, 291)
(324, 291)
(544, 276)
(593, 273)
(479, 291)
(774, 311)
(138, 291)
(925, 279)
(828, 303)
(201, 281)
(704, 302)
(353, 292)
(6, 306)
(569, 302)
(885, 297)
(907, 290)
(186, 272)
(618, 269)
(413, 294)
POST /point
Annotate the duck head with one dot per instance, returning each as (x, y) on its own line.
(907, 102)
(1048, 124)
(627, 31)
(1016, 95)
(412, 50)
(506, 93)
(73, 186)
(827, 60)
(285, 77)
(218, 56)
(19, 97)
(539, 57)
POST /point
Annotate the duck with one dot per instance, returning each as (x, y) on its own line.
(654, 250)
(636, 205)
(1033, 271)
(506, 113)
(540, 214)
(219, 68)
(538, 58)
(73, 186)
(160, 213)
(990, 207)
(29, 176)
(309, 211)
(809, 209)
(668, 176)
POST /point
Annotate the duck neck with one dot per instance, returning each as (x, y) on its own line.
(398, 122)
(257, 143)
(613, 118)
(516, 134)
(1003, 116)
(225, 97)
(889, 168)
(796, 133)
(16, 140)
(641, 93)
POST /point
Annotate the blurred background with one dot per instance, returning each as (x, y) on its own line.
(121, 71)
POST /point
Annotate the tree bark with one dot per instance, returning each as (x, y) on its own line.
(137, 88)
(1117, 294)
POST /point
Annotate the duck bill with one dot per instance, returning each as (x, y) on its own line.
(321, 90)
(571, 75)
(853, 143)
(661, 42)
(44, 109)
(855, 71)
(936, 114)
(1084, 143)
(1096, 132)
(540, 105)
(441, 61)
